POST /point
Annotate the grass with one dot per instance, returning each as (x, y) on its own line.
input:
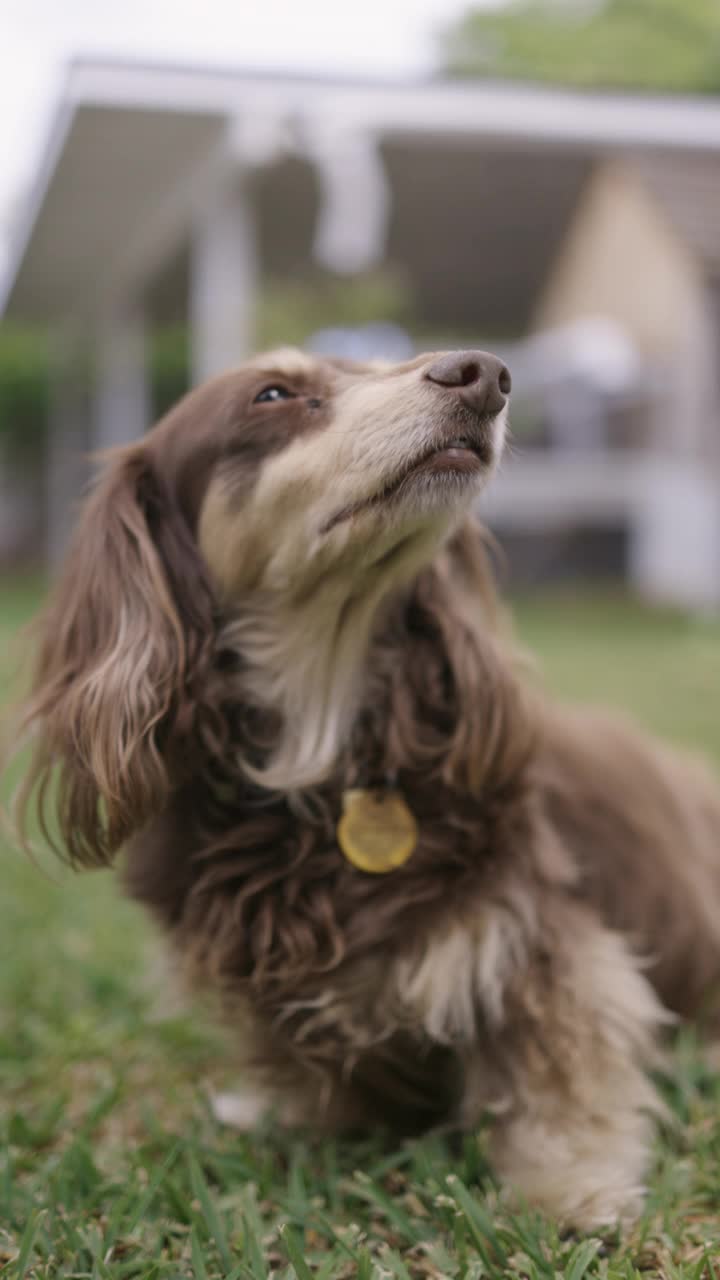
(112, 1166)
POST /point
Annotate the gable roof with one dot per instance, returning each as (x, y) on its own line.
(687, 187)
(129, 140)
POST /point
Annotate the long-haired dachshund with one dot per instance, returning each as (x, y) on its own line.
(273, 672)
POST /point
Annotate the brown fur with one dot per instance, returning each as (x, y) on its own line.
(243, 631)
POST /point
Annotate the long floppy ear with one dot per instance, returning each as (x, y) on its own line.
(125, 643)
(495, 724)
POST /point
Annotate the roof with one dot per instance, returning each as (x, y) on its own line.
(130, 144)
(688, 189)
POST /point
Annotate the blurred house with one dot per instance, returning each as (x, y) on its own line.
(577, 233)
(623, 372)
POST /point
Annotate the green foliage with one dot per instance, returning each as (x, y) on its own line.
(111, 1166)
(289, 311)
(24, 391)
(26, 377)
(663, 45)
(170, 368)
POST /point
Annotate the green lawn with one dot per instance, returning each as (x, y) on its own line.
(112, 1166)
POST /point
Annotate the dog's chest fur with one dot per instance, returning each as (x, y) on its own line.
(381, 974)
(385, 979)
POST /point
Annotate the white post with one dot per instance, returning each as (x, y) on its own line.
(66, 464)
(223, 283)
(675, 535)
(352, 227)
(122, 391)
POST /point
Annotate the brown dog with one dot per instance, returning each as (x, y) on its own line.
(274, 672)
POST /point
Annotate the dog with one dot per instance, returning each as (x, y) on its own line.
(274, 672)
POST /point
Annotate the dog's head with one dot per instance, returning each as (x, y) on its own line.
(321, 465)
(286, 477)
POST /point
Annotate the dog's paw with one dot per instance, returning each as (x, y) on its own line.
(251, 1107)
(607, 1210)
(581, 1203)
(244, 1111)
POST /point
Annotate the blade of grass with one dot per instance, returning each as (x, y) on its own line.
(27, 1241)
(580, 1259)
(394, 1263)
(366, 1189)
(252, 1248)
(198, 1261)
(364, 1266)
(487, 1242)
(295, 1253)
(323, 1221)
(201, 1191)
(151, 1189)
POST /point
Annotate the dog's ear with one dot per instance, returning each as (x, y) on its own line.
(125, 645)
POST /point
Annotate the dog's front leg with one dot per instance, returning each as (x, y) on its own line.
(580, 1032)
(556, 1028)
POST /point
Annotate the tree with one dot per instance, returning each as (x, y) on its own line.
(664, 45)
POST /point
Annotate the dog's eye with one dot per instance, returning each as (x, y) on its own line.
(268, 394)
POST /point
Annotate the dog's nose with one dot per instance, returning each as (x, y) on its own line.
(482, 380)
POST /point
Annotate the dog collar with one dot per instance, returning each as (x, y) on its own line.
(377, 831)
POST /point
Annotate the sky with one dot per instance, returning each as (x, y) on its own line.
(38, 37)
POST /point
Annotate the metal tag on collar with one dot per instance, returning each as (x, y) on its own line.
(377, 831)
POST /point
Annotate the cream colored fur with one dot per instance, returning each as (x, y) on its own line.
(311, 592)
(569, 1098)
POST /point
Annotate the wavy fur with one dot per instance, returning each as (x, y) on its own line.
(228, 651)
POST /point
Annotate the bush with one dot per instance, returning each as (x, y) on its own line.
(24, 392)
(288, 312)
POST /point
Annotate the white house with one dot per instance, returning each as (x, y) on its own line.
(169, 193)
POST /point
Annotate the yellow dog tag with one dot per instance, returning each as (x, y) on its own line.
(377, 832)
